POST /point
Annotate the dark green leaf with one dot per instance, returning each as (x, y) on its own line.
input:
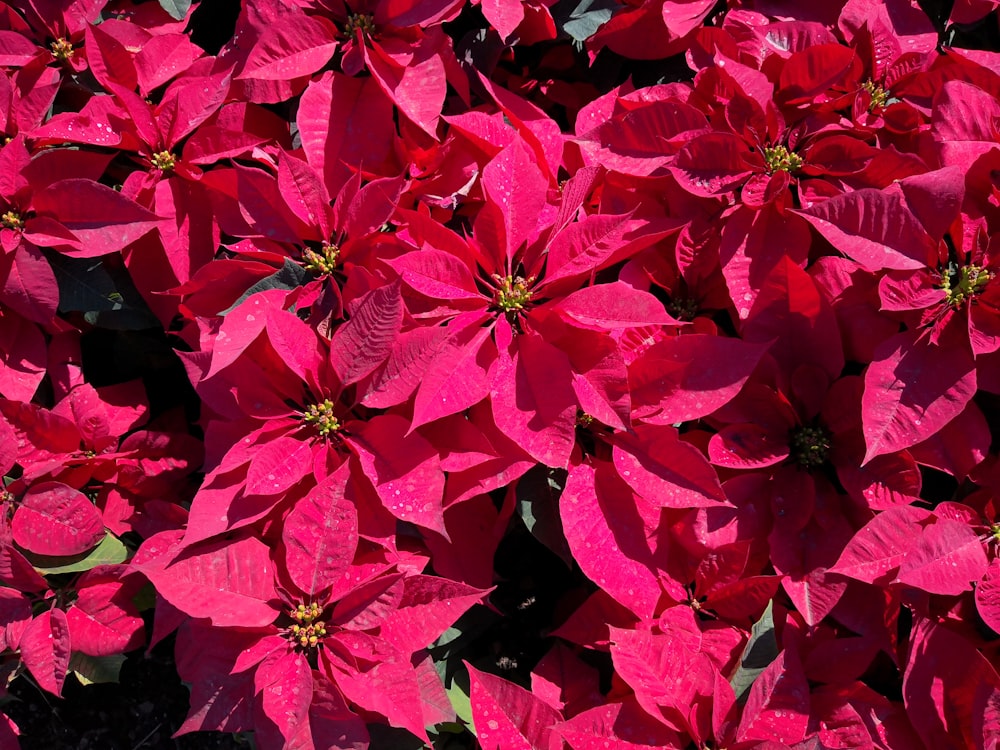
(177, 9)
(289, 276)
(102, 290)
(455, 644)
(586, 18)
(96, 669)
(454, 641)
(145, 599)
(538, 506)
(761, 650)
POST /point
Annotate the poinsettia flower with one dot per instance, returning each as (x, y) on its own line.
(959, 299)
(296, 388)
(768, 168)
(329, 241)
(944, 293)
(876, 89)
(157, 131)
(318, 253)
(761, 158)
(515, 342)
(404, 49)
(53, 198)
(815, 428)
(404, 326)
(691, 277)
(802, 440)
(772, 431)
(167, 184)
(325, 620)
(50, 30)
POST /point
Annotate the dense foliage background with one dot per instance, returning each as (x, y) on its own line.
(502, 374)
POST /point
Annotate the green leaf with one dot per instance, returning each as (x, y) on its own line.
(177, 9)
(451, 647)
(453, 642)
(109, 552)
(289, 276)
(102, 290)
(447, 638)
(145, 598)
(459, 698)
(586, 18)
(537, 496)
(96, 669)
(761, 650)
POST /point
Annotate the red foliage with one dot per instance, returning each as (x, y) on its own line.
(725, 344)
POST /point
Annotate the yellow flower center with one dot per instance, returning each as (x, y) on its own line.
(62, 49)
(164, 161)
(321, 417)
(323, 262)
(307, 629)
(780, 159)
(880, 97)
(961, 284)
(512, 293)
(12, 220)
